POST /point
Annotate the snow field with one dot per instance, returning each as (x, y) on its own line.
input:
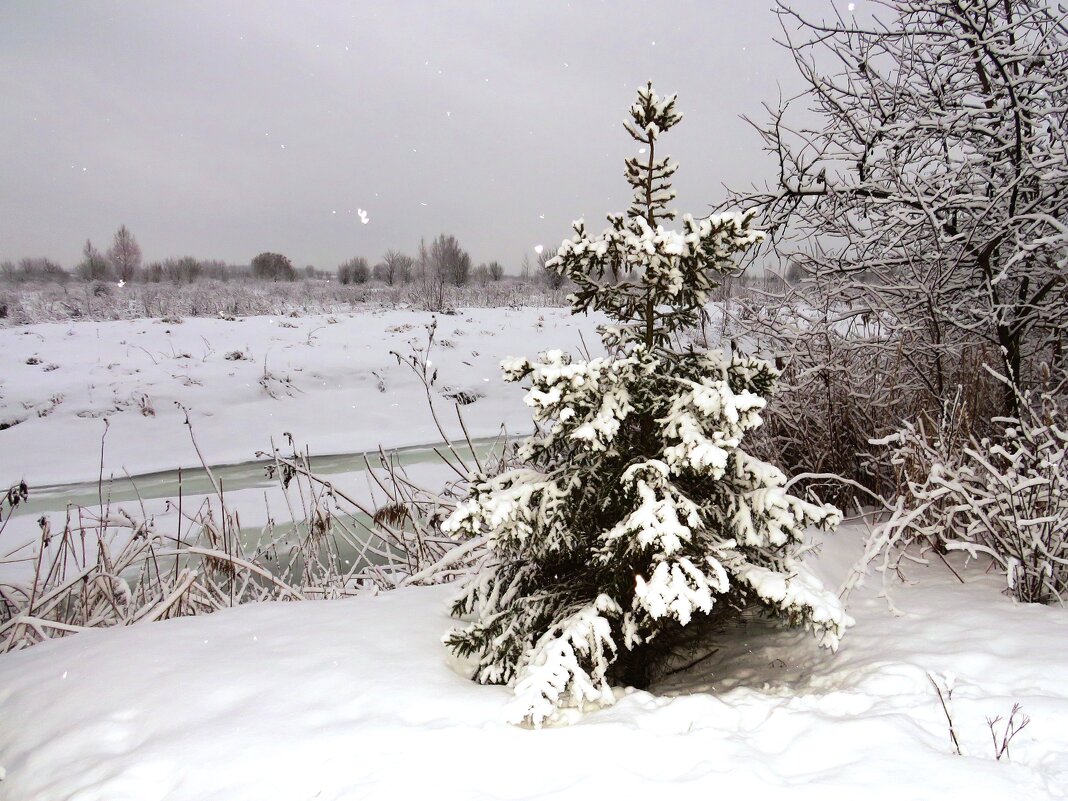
(335, 386)
(357, 699)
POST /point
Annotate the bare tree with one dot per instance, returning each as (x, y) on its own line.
(450, 261)
(93, 266)
(396, 267)
(125, 255)
(429, 289)
(932, 194)
(526, 270)
(215, 268)
(496, 270)
(354, 271)
(36, 268)
(183, 270)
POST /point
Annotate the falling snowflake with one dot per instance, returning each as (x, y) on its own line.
(121, 282)
(363, 216)
(538, 249)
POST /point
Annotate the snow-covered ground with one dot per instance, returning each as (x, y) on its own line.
(334, 386)
(347, 395)
(357, 699)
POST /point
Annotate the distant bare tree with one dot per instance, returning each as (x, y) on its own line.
(35, 269)
(429, 289)
(496, 270)
(93, 266)
(526, 269)
(354, 271)
(215, 268)
(273, 267)
(125, 255)
(448, 260)
(188, 269)
(184, 270)
(396, 267)
(152, 272)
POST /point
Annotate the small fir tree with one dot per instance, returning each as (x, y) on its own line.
(636, 512)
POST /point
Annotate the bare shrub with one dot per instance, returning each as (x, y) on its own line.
(1004, 497)
(1014, 725)
(33, 269)
(848, 374)
(48, 302)
(354, 271)
(447, 260)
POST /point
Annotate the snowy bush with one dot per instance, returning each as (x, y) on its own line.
(636, 511)
(1004, 496)
(922, 181)
(849, 375)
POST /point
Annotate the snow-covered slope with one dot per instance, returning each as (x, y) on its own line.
(356, 699)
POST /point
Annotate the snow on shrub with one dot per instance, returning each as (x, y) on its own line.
(635, 511)
(1004, 496)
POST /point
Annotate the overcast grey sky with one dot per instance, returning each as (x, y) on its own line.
(222, 129)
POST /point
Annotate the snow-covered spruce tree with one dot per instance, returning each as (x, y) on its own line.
(636, 512)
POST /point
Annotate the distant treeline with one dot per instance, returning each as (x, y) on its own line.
(443, 261)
